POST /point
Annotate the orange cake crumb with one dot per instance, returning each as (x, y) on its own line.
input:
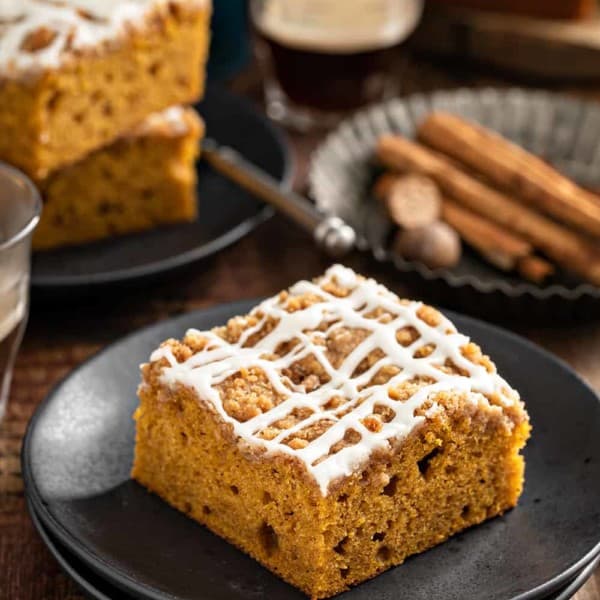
(145, 179)
(74, 80)
(332, 432)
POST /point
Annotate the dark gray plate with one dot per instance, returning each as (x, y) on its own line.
(88, 581)
(226, 212)
(98, 589)
(78, 448)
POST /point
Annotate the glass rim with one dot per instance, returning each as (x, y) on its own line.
(34, 194)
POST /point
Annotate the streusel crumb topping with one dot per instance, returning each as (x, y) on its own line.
(332, 371)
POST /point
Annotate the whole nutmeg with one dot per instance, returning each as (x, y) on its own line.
(436, 245)
(411, 201)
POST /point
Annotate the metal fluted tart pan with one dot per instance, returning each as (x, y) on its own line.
(562, 130)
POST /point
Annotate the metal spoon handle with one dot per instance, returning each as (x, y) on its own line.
(332, 234)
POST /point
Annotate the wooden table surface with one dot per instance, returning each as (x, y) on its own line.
(58, 338)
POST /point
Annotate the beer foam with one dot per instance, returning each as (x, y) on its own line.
(334, 27)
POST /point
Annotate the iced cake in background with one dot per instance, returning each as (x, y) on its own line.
(332, 432)
(75, 75)
(145, 179)
(76, 78)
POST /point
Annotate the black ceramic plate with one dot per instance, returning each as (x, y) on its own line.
(563, 130)
(88, 581)
(99, 589)
(226, 212)
(78, 448)
(578, 582)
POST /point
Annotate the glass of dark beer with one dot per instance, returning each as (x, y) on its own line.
(20, 207)
(324, 58)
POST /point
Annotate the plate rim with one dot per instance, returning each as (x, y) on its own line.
(580, 578)
(62, 561)
(452, 280)
(102, 566)
(155, 268)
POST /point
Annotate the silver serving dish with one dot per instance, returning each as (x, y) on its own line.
(562, 130)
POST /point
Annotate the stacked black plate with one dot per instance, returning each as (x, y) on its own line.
(119, 541)
(226, 212)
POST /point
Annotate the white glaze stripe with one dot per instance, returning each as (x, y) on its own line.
(206, 369)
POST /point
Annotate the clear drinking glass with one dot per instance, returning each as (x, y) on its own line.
(20, 207)
(324, 58)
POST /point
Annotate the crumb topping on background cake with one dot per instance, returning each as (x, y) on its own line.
(36, 35)
(332, 371)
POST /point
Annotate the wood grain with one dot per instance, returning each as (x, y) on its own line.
(555, 50)
(277, 254)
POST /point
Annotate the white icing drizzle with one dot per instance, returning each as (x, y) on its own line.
(171, 121)
(75, 25)
(220, 360)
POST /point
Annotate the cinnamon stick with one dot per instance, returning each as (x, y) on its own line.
(497, 245)
(534, 268)
(514, 169)
(561, 244)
